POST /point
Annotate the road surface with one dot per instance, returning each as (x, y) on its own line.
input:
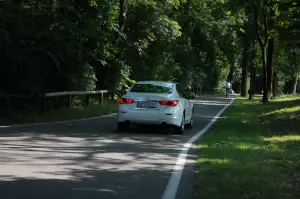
(91, 160)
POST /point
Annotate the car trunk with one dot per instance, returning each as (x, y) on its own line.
(147, 101)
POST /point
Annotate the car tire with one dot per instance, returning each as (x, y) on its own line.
(180, 129)
(190, 124)
(123, 127)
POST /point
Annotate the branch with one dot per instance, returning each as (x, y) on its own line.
(206, 59)
(52, 57)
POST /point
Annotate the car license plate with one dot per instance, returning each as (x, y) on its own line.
(146, 104)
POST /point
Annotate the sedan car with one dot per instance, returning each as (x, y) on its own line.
(156, 103)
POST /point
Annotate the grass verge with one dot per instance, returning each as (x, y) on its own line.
(253, 152)
(76, 112)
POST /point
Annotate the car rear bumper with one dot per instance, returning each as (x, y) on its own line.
(149, 117)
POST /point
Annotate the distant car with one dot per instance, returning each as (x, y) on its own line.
(156, 103)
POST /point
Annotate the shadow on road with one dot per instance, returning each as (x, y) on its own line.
(67, 164)
(91, 160)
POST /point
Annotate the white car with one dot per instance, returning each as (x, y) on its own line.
(156, 103)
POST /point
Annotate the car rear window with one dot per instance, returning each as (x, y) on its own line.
(152, 88)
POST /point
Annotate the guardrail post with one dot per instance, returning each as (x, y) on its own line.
(200, 92)
(101, 98)
(112, 95)
(42, 104)
(70, 101)
(87, 100)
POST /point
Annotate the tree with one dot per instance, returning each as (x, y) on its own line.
(64, 45)
(248, 37)
(264, 18)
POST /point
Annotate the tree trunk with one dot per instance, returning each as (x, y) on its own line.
(244, 82)
(265, 85)
(116, 69)
(252, 80)
(16, 2)
(269, 64)
(275, 85)
(294, 85)
(290, 86)
(122, 14)
(80, 5)
(245, 70)
(270, 52)
(248, 39)
(263, 44)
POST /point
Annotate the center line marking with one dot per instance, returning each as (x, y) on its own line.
(173, 184)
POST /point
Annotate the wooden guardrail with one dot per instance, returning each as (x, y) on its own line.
(70, 94)
(43, 102)
(48, 101)
(76, 93)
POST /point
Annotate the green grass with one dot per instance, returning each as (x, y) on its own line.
(76, 112)
(253, 152)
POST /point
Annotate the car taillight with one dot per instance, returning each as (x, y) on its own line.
(126, 101)
(168, 102)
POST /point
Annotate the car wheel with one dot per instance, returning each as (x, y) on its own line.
(190, 124)
(180, 129)
(123, 127)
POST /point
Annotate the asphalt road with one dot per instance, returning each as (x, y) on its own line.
(90, 159)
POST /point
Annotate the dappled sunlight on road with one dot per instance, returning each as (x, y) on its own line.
(90, 159)
(60, 157)
(210, 103)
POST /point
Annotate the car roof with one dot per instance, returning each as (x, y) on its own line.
(154, 82)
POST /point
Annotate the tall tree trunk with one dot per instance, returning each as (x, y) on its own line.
(270, 52)
(245, 69)
(252, 81)
(253, 74)
(122, 14)
(115, 71)
(263, 42)
(275, 84)
(294, 85)
(16, 2)
(265, 98)
(269, 64)
(290, 86)
(80, 5)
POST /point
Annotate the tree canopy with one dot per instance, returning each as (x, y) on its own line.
(60, 45)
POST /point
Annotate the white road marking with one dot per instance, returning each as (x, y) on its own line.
(61, 122)
(172, 187)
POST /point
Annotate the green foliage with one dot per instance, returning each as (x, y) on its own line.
(54, 45)
(65, 45)
(293, 69)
